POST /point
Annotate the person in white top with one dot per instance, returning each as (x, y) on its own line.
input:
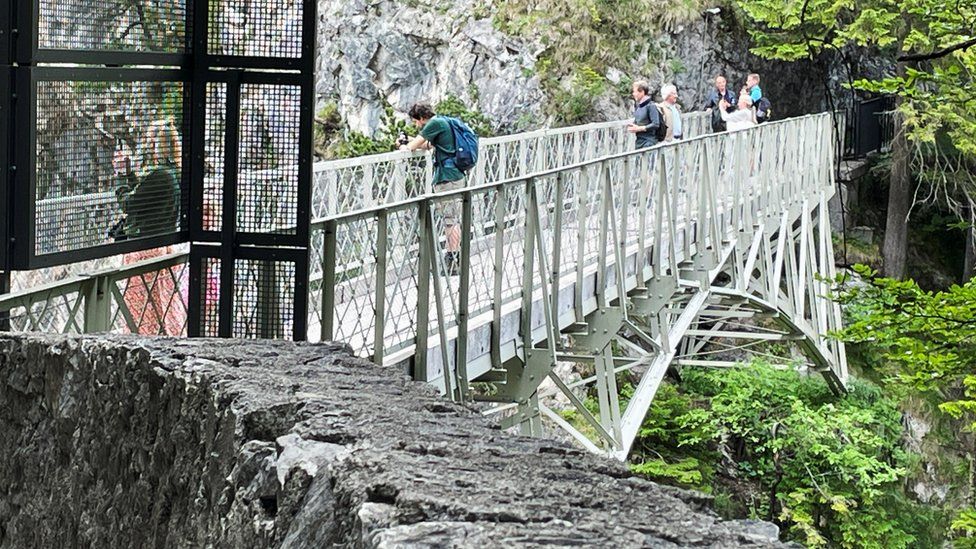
(742, 118)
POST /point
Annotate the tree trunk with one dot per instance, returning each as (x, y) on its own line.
(899, 203)
(969, 264)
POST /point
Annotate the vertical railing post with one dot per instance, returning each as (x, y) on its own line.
(528, 270)
(606, 203)
(582, 212)
(447, 371)
(557, 241)
(379, 299)
(98, 304)
(623, 229)
(461, 348)
(498, 273)
(329, 280)
(426, 253)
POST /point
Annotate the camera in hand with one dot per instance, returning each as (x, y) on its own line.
(402, 139)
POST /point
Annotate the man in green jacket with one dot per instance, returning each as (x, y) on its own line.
(435, 133)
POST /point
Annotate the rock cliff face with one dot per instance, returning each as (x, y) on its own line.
(124, 442)
(379, 53)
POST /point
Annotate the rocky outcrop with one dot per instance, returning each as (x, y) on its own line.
(378, 53)
(127, 442)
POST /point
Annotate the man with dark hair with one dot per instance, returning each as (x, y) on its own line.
(435, 133)
(646, 117)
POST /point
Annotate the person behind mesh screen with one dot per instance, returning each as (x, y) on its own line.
(149, 194)
(151, 200)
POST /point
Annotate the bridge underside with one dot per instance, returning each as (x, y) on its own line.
(763, 286)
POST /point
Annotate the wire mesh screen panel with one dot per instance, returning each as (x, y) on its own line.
(214, 145)
(256, 28)
(267, 189)
(108, 162)
(112, 25)
(210, 297)
(264, 299)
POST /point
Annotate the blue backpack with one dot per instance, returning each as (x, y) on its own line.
(465, 144)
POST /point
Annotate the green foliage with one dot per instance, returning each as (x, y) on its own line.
(453, 106)
(936, 92)
(927, 338)
(828, 468)
(582, 36)
(965, 526)
(354, 144)
(587, 86)
(686, 472)
(923, 342)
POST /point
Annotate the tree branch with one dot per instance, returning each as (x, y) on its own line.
(940, 53)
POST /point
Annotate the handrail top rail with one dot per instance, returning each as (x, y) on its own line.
(125, 271)
(340, 163)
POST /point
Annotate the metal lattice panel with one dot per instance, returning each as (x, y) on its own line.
(264, 299)
(153, 302)
(214, 145)
(112, 25)
(267, 196)
(108, 165)
(256, 28)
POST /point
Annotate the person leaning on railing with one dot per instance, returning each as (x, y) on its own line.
(435, 133)
(151, 204)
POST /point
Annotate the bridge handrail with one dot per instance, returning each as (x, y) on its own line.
(345, 185)
(350, 184)
(484, 142)
(366, 255)
(318, 223)
(95, 302)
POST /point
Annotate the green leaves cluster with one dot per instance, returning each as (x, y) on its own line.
(828, 469)
(927, 339)
(934, 40)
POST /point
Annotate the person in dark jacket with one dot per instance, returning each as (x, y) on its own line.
(719, 93)
(646, 117)
(150, 200)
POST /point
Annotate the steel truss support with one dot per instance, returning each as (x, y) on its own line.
(697, 283)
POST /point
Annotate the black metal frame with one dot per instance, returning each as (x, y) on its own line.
(23, 251)
(229, 244)
(195, 67)
(6, 75)
(200, 252)
(6, 106)
(27, 51)
(870, 133)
